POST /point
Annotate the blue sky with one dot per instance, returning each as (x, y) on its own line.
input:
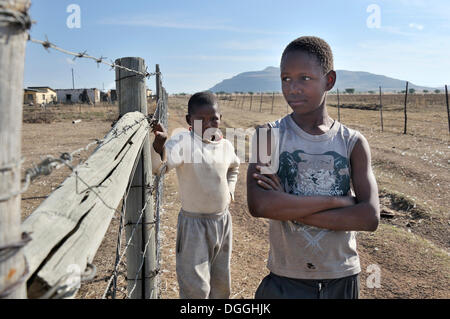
(199, 43)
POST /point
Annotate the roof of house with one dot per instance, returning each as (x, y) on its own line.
(39, 88)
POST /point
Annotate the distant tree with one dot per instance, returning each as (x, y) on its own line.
(371, 92)
(350, 91)
(437, 91)
(412, 91)
(425, 91)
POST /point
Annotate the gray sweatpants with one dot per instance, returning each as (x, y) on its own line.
(203, 253)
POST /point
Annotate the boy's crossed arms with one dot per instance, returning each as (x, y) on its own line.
(267, 199)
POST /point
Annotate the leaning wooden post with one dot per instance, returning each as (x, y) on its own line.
(404, 109)
(139, 214)
(13, 38)
(448, 110)
(381, 112)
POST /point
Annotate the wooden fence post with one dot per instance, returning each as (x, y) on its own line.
(448, 110)
(251, 100)
(260, 103)
(339, 107)
(406, 101)
(13, 38)
(273, 99)
(381, 112)
(158, 82)
(131, 89)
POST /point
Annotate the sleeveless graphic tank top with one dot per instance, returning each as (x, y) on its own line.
(311, 165)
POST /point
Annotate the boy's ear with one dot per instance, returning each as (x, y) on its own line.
(188, 119)
(331, 80)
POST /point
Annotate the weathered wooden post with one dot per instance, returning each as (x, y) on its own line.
(131, 89)
(448, 110)
(260, 103)
(404, 109)
(339, 107)
(273, 99)
(158, 82)
(381, 112)
(251, 100)
(13, 38)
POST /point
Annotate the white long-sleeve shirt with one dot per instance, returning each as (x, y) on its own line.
(207, 171)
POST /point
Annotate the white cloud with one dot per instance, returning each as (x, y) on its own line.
(419, 27)
(259, 44)
(180, 23)
(229, 58)
(395, 30)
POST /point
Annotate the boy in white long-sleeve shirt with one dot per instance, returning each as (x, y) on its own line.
(207, 169)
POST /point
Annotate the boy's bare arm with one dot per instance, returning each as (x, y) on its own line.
(160, 138)
(276, 204)
(365, 215)
(279, 205)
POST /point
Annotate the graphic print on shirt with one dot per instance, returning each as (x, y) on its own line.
(304, 174)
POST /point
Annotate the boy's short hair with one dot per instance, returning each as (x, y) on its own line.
(201, 99)
(314, 46)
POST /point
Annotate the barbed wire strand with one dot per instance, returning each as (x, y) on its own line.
(50, 163)
(111, 290)
(83, 54)
(66, 291)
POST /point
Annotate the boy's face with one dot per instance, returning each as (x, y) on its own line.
(208, 115)
(303, 82)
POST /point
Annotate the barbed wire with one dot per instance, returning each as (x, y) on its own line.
(50, 163)
(7, 252)
(69, 283)
(83, 54)
(11, 16)
(111, 288)
(65, 291)
(63, 288)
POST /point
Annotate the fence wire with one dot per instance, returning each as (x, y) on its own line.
(65, 287)
(83, 54)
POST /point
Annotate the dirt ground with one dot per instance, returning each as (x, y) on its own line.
(410, 247)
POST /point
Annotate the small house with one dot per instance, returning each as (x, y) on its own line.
(39, 95)
(69, 96)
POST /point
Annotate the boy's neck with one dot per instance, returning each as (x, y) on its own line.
(314, 123)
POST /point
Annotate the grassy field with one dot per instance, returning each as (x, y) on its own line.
(411, 246)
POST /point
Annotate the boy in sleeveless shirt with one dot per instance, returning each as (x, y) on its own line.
(319, 161)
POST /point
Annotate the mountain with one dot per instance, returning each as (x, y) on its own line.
(268, 80)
